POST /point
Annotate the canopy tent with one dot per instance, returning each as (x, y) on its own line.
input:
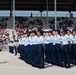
(62, 5)
(38, 5)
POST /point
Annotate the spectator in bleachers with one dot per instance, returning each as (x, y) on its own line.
(3, 22)
(61, 23)
(21, 22)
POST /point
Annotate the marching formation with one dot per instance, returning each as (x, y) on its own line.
(55, 47)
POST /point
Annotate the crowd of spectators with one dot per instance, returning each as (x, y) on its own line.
(3, 22)
(36, 23)
(21, 22)
(61, 23)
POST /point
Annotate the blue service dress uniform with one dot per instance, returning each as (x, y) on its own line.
(51, 49)
(40, 52)
(58, 50)
(74, 49)
(47, 49)
(26, 51)
(66, 50)
(22, 49)
(19, 45)
(54, 51)
(33, 49)
(71, 48)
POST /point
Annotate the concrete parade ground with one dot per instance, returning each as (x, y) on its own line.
(12, 65)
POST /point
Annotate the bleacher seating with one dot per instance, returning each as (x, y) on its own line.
(21, 22)
(61, 22)
(3, 22)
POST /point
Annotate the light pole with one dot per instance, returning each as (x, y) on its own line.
(47, 12)
(55, 3)
(13, 14)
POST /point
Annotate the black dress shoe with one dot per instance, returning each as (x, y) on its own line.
(62, 66)
(68, 66)
(15, 54)
(0, 50)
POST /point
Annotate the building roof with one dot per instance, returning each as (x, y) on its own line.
(62, 5)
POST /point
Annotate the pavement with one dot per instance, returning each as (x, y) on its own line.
(12, 65)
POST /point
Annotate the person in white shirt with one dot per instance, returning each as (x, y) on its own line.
(19, 42)
(33, 48)
(50, 47)
(66, 54)
(11, 47)
(46, 39)
(25, 48)
(21, 48)
(74, 47)
(29, 49)
(54, 60)
(58, 48)
(70, 45)
(40, 49)
(70, 36)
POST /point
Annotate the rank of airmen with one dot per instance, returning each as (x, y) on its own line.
(39, 46)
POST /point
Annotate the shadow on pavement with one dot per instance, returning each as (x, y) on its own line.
(4, 62)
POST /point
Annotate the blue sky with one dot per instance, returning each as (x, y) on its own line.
(37, 13)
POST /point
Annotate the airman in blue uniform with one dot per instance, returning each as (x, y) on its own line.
(66, 54)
